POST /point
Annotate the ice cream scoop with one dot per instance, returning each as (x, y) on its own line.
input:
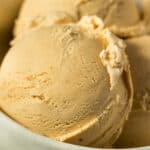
(69, 82)
(121, 16)
(137, 129)
(8, 12)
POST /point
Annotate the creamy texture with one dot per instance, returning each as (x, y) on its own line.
(112, 57)
(146, 11)
(136, 131)
(132, 21)
(63, 89)
(110, 11)
(8, 12)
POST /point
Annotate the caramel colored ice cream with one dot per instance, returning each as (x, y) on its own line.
(146, 10)
(121, 16)
(137, 129)
(76, 90)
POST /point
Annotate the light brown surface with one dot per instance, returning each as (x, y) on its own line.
(136, 131)
(146, 10)
(8, 13)
(63, 89)
(121, 16)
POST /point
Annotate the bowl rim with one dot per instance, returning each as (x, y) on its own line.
(19, 133)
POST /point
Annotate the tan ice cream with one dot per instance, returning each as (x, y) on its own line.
(76, 90)
(121, 16)
(146, 9)
(137, 129)
(8, 12)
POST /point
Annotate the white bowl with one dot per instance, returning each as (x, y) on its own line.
(15, 137)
